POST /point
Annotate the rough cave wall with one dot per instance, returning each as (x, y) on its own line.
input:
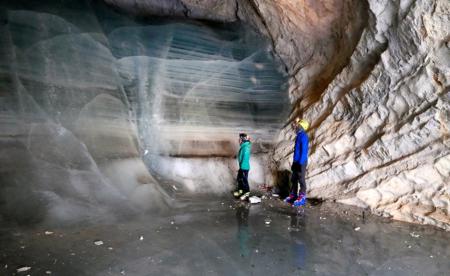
(373, 79)
(380, 129)
(381, 139)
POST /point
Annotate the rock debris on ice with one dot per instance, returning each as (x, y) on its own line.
(98, 242)
(23, 268)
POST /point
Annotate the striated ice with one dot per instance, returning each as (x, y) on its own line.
(85, 91)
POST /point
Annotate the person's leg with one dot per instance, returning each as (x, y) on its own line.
(245, 185)
(239, 180)
(294, 181)
(294, 186)
(302, 179)
(239, 191)
(301, 200)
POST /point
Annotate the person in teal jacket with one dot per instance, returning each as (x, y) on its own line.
(243, 158)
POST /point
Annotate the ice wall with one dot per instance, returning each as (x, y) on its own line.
(90, 100)
(195, 88)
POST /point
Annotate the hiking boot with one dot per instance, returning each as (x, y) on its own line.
(238, 193)
(290, 199)
(245, 196)
(301, 200)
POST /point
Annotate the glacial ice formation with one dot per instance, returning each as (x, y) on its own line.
(87, 95)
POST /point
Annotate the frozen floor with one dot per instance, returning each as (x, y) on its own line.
(223, 237)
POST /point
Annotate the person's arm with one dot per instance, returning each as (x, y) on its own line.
(240, 157)
(247, 153)
(303, 150)
(297, 150)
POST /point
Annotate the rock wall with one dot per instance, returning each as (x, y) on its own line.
(380, 129)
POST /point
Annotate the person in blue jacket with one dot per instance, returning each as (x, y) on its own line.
(299, 164)
(243, 158)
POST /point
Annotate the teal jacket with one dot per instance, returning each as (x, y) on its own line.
(244, 155)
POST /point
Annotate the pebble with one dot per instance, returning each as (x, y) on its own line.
(357, 228)
(23, 269)
(98, 242)
(141, 238)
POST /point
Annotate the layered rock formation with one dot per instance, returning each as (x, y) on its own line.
(380, 129)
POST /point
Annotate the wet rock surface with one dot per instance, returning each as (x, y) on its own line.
(221, 237)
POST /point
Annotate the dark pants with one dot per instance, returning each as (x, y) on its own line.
(298, 175)
(242, 180)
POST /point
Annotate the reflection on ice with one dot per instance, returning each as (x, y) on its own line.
(224, 237)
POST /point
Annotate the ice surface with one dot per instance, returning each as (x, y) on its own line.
(233, 241)
(85, 92)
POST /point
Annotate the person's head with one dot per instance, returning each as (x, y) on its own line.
(301, 124)
(243, 137)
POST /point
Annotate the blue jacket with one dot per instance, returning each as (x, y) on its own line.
(301, 148)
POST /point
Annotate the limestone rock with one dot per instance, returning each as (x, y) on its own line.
(379, 134)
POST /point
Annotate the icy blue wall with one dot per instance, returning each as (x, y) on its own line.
(192, 83)
(85, 93)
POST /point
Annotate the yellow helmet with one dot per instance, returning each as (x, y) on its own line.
(303, 123)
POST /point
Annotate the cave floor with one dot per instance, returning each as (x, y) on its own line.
(223, 237)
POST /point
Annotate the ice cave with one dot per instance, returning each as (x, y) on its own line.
(120, 125)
